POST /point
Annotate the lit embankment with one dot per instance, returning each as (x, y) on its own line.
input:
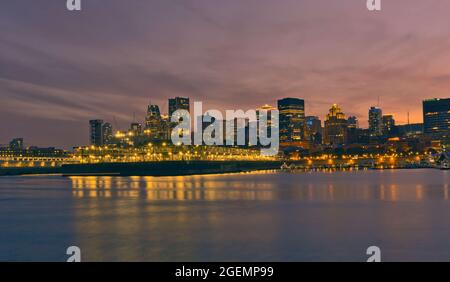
(167, 160)
(164, 152)
(18, 165)
(374, 161)
(152, 160)
(163, 159)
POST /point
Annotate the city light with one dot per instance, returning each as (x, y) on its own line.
(340, 142)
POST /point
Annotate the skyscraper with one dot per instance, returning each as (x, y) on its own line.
(410, 130)
(352, 122)
(178, 103)
(352, 130)
(375, 122)
(96, 132)
(388, 125)
(335, 127)
(136, 128)
(314, 129)
(269, 110)
(154, 123)
(165, 128)
(436, 118)
(292, 119)
(313, 123)
(107, 133)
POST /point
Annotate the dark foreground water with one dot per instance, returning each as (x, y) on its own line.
(242, 217)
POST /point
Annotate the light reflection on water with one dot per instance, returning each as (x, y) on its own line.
(264, 216)
(315, 186)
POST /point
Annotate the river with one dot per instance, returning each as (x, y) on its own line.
(260, 216)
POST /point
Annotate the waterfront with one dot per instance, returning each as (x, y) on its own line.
(261, 216)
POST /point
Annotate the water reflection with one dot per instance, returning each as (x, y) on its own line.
(261, 216)
(269, 185)
(267, 216)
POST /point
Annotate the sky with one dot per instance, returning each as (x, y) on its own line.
(59, 69)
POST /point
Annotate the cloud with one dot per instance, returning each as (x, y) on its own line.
(59, 68)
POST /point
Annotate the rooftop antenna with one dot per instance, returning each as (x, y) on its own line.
(378, 102)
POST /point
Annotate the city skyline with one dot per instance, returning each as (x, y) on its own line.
(224, 54)
(295, 126)
(142, 122)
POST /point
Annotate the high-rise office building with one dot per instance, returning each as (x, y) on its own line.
(269, 110)
(335, 127)
(362, 136)
(154, 123)
(352, 122)
(292, 119)
(136, 128)
(313, 123)
(165, 128)
(107, 133)
(410, 130)
(436, 118)
(314, 129)
(388, 125)
(96, 132)
(178, 103)
(375, 122)
(352, 130)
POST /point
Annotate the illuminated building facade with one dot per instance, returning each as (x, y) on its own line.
(410, 130)
(352, 122)
(388, 125)
(314, 129)
(165, 128)
(375, 122)
(107, 133)
(292, 120)
(269, 109)
(335, 127)
(178, 103)
(436, 117)
(136, 128)
(154, 127)
(352, 130)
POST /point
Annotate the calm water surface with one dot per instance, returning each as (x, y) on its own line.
(268, 216)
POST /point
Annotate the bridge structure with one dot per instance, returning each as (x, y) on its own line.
(33, 161)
